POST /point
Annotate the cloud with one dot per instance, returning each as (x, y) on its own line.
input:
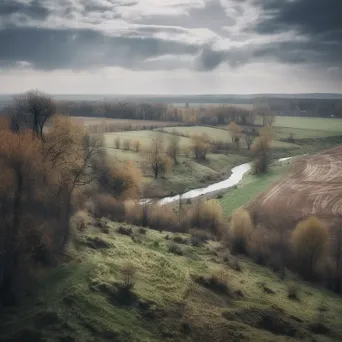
(320, 21)
(31, 9)
(197, 35)
(48, 49)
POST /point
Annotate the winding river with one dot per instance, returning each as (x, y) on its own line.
(236, 176)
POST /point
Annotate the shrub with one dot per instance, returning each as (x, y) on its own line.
(179, 239)
(206, 215)
(125, 231)
(258, 246)
(80, 220)
(241, 229)
(261, 150)
(216, 282)
(128, 275)
(309, 240)
(163, 218)
(117, 143)
(200, 146)
(199, 237)
(175, 249)
(107, 206)
(137, 145)
(292, 292)
(125, 181)
(127, 145)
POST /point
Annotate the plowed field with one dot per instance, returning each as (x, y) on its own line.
(312, 187)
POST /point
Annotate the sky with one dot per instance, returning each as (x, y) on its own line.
(171, 46)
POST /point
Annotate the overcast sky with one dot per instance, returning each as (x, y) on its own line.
(171, 46)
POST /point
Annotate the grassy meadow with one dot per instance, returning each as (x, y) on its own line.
(81, 300)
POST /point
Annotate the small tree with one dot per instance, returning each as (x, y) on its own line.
(117, 143)
(249, 137)
(154, 155)
(261, 150)
(174, 146)
(235, 132)
(165, 165)
(122, 182)
(137, 145)
(127, 145)
(200, 146)
(32, 110)
(309, 240)
(241, 228)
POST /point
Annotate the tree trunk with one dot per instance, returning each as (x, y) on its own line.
(7, 296)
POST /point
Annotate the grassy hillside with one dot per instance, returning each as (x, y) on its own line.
(199, 294)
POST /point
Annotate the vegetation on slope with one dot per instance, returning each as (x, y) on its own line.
(204, 294)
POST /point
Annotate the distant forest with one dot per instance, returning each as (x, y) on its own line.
(169, 107)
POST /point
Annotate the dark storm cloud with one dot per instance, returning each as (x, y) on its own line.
(318, 20)
(313, 17)
(80, 49)
(34, 9)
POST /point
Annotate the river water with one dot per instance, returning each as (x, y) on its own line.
(236, 176)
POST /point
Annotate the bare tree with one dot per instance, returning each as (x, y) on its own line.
(263, 110)
(32, 110)
(249, 139)
(154, 155)
(174, 147)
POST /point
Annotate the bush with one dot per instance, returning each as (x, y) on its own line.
(241, 229)
(179, 239)
(309, 240)
(125, 181)
(261, 149)
(292, 292)
(137, 145)
(125, 231)
(117, 143)
(216, 282)
(199, 237)
(206, 215)
(258, 246)
(175, 249)
(127, 145)
(163, 218)
(107, 206)
(128, 275)
(80, 220)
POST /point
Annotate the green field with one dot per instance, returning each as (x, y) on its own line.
(80, 300)
(144, 137)
(213, 133)
(250, 186)
(315, 124)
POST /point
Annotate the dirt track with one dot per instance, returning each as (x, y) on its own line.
(313, 187)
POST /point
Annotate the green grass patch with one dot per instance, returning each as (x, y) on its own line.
(213, 133)
(315, 124)
(250, 186)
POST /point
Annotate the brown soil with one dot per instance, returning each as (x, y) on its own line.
(313, 187)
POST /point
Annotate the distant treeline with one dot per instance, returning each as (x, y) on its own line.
(305, 107)
(210, 115)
